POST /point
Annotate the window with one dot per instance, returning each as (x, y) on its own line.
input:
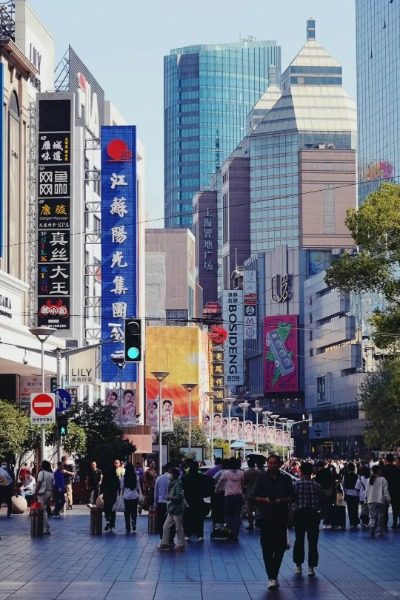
(321, 389)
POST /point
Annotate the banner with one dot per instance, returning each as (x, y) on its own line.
(207, 425)
(234, 427)
(152, 414)
(281, 354)
(270, 435)
(128, 408)
(250, 304)
(119, 240)
(262, 434)
(217, 425)
(248, 432)
(167, 415)
(225, 429)
(112, 400)
(232, 302)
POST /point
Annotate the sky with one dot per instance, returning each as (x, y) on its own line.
(123, 42)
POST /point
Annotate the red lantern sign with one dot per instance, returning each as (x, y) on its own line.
(218, 334)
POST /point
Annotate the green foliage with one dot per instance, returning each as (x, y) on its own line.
(380, 399)
(179, 438)
(104, 440)
(375, 228)
(14, 427)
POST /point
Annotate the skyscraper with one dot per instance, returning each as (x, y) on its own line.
(378, 93)
(208, 92)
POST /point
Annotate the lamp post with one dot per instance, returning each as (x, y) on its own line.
(283, 422)
(229, 402)
(42, 334)
(211, 396)
(160, 376)
(244, 406)
(257, 409)
(189, 387)
(289, 425)
(274, 418)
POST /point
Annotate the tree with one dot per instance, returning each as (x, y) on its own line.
(179, 438)
(373, 267)
(380, 399)
(14, 427)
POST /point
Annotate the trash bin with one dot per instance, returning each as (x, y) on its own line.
(96, 521)
(152, 520)
(36, 515)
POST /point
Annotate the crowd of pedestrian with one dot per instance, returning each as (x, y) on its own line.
(270, 496)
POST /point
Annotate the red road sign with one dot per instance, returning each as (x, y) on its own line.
(43, 404)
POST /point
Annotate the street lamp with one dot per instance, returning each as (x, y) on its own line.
(283, 422)
(229, 402)
(289, 425)
(160, 376)
(211, 396)
(118, 359)
(244, 406)
(257, 409)
(42, 333)
(189, 387)
(274, 418)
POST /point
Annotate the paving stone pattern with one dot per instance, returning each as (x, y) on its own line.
(72, 565)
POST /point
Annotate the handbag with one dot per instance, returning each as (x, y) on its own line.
(100, 502)
(119, 505)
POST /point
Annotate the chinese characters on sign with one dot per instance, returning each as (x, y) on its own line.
(119, 244)
(250, 304)
(208, 245)
(54, 178)
(232, 302)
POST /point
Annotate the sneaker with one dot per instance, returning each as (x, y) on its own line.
(164, 547)
(272, 584)
(107, 527)
(311, 572)
(298, 570)
(200, 539)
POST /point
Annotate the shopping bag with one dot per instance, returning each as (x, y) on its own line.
(119, 504)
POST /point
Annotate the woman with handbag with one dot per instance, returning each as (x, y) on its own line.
(130, 493)
(110, 487)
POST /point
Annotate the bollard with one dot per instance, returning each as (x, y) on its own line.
(152, 520)
(36, 516)
(96, 521)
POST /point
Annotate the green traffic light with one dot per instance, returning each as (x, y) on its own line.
(133, 353)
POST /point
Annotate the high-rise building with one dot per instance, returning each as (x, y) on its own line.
(378, 89)
(208, 92)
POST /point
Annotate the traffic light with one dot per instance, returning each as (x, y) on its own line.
(62, 426)
(133, 340)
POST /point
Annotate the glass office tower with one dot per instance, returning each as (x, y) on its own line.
(208, 92)
(378, 92)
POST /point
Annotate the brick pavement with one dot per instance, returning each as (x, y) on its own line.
(72, 565)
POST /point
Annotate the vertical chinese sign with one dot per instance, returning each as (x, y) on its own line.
(232, 303)
(119, 239)
(54, 179)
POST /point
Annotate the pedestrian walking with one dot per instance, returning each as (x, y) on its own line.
(58, 490)
(110, 487)
(68, 477)
(308, 503)
(175, 508)
(196, 487)
(130, 493)
(377, 494)
(361, 486)
(149, 482)
(326, 478)
(272, 493)
(7, 485)
(391, 473)
(93, 482)
(231, 483)
(351, 494)
(160, 497)
(250, 477)
(44, 491)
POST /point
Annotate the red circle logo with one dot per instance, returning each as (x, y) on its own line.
(43, 404)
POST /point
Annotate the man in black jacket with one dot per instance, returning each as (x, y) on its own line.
(272, 493)
(391, 473)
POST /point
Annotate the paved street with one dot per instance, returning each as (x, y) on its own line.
(70, 565)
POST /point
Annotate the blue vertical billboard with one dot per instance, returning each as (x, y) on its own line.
(119, 240)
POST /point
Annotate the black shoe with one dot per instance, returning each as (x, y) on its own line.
(107, 527)
(128, 530)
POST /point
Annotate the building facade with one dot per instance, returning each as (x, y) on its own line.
(377, 35)
(208, 92)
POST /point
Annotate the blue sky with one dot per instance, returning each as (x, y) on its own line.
(123, 43)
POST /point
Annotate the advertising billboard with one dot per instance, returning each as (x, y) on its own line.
(232, 313)
(89, 95)
(54, 179)
(182, 352)
(119, 240)
(281, 354)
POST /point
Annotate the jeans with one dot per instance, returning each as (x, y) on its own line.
(352, 510)
(109, 513)
(273, 543)
(306, 521)
(170, 522)
(233, 509)
(130, 514)
(377, 516)
(59, 501)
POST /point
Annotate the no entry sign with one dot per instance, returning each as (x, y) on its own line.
(43, 409)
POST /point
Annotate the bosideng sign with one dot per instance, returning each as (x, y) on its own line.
(232, 301)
